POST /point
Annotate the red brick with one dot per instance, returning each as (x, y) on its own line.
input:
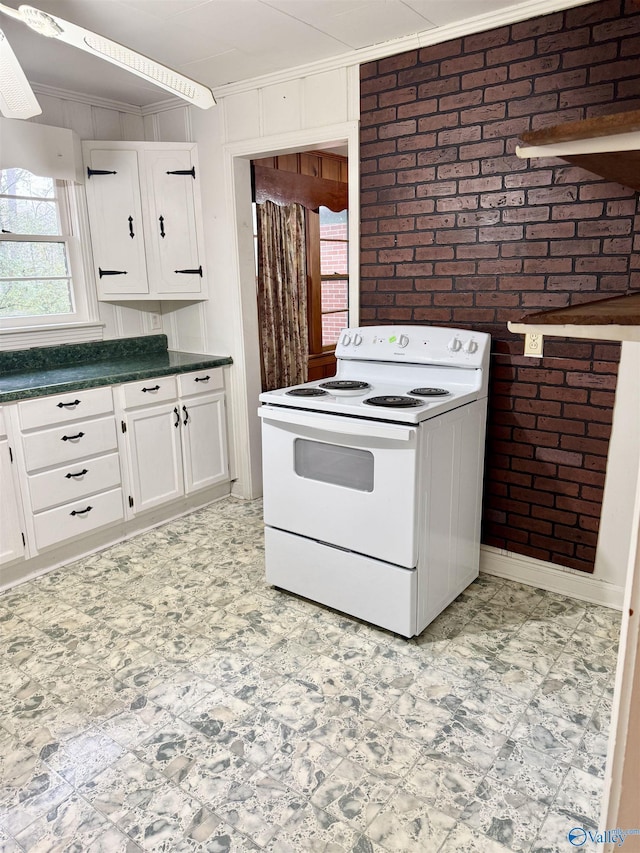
(526, 522)
(533, 67)
(499, 233)
(614, 70)
(461, 64)
(591, 95)
(507, 91)
(562, 80)
(589, 57)
(435, 253)
(485, 77)
(511, 52)
(559, 457)
(559, 42)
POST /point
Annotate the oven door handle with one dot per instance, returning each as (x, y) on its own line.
(337, 425)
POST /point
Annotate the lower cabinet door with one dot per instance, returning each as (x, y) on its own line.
(11, 541)
(155, 456)
(204, 441)
(77, 518)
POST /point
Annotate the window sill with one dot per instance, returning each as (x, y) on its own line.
(41, 336)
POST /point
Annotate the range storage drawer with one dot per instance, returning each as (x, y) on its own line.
(74, 481)
(149, 391)
(49, 447)
(200, 381)
(77, 518)
(63, 408)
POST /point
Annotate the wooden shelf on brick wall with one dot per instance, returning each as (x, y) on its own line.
(608, 146)
(613, 319)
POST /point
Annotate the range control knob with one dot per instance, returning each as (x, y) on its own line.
(403, 340)
(357, 340)
(345, 340)
(471, 347)
(454, 345)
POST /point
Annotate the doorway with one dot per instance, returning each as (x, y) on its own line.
(316, 182)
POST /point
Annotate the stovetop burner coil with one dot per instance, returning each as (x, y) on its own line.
(430, 392)
(344, 385)
(307, 392)
(393, 401)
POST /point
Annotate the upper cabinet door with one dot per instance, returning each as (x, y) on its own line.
(173, 254)
(116, 221)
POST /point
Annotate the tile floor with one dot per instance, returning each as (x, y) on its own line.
(160, 696)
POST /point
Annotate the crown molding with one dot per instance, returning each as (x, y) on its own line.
(436, 35)
(108, 103)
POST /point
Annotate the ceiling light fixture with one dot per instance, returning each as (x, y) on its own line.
(16, 96)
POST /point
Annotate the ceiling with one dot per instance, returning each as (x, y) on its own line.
(220, 41)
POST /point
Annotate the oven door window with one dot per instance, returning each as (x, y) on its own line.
(348, 467)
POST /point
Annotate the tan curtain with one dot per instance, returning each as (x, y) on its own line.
(282, 295)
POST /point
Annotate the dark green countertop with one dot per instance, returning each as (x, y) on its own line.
(39, 371)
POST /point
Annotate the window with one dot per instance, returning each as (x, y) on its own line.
(328, 252)
(40, 263)
(334, 274)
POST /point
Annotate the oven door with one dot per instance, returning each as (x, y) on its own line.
(349, 482)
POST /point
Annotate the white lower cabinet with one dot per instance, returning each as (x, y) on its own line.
(79, 463)
(12, 540)
(152, 441)
(178, 446)
(71, 482)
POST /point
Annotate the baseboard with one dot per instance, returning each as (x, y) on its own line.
(538, 573)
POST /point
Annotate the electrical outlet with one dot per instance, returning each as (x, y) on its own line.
(156, 321)
(533, 344)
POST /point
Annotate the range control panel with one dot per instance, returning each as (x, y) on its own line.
(415, 344)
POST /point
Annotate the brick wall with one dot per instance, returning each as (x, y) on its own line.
(458, 231)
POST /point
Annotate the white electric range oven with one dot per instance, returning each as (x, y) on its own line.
(373, 479)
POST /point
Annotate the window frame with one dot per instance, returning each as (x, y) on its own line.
(71, 225)
(314, 286)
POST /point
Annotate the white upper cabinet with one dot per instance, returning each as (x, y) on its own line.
(144, 214)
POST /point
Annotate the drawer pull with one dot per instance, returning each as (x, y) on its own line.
(80, 511)
(186, 415)
(154, 388)
(77, 474)
(66, 405)
(191, 272)
(202, 379)
(177, 414)
(72, 437)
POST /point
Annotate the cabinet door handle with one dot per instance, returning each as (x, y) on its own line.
(202, 379)
(77, 474)
(91, 172)
(177, 414)
(131, 234)
(80, 511)
(64, 405)
(186, 415)
(153, 388)
(71, 437)
(190, 272)
(191, 171)
(161, 221)
(102, 272)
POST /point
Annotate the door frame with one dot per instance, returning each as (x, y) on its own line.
(245, 425)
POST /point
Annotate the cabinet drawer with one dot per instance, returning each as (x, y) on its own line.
(200, 381)
(71, 482)
(56, 525)
(149, 391)
(62, 408)
(46, 448)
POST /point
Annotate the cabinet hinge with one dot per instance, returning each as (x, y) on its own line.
(124, 426)
(24, 541)
(130, 501)
(10, 455)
